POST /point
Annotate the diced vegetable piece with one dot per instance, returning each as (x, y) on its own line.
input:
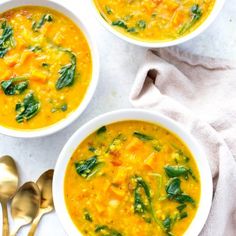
(134, 145)
(120, 175)
(38, 76)
(151, 160)
(117, 191)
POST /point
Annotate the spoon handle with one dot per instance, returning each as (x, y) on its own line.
(5, 228)
(35, 224)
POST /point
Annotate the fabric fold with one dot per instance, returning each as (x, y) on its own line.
(198, 92)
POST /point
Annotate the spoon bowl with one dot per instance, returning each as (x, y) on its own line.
(8, 185)
(45, 186)
(25, 205)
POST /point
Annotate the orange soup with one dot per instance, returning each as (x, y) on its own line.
(155, 20)
(132, 178)
(45, 67)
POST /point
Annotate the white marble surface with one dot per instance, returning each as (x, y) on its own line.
(119, 63)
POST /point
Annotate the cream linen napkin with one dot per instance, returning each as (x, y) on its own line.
(200, 94)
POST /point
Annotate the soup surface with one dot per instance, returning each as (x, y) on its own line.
(155, 20)
(45, 67)
(132, 178)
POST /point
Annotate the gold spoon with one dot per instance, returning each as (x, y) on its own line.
(45, 185)
(8, 185)
(25, 205)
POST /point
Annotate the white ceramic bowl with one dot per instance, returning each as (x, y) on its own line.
(132, 114)
(159, 44)
(6, 5)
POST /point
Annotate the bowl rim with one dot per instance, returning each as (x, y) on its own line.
(133, 114)
(161, 44)
(60, 7)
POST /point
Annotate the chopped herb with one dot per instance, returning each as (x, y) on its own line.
(196, 13)
(101, 130)
(154, 15)
(108, 10)
(15, 86)
(38, 25)
(167, 224)
(67, 73)
(88, 168)
(157, 148)
(6, 39)
(35, 48)
(45, 65)
(142, 136)
(64, 107)
(184, 198)
(27, 109)
(132, 30)
(181, 207)
(92, 149)
(120, 23)
(141, 24)
(104, 230)
(183, 215)
(87, 216)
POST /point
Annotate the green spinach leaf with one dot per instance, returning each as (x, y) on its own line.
(15, 86)
(142, 136)
(6, 39)
(101, 130)
(120, 23)
(38, 25)
(177, 171)
(67, 73)
(88, 168)
(27, 109)
(174, 192)
(167, 224)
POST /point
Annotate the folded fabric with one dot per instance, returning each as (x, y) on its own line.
(200, 94)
